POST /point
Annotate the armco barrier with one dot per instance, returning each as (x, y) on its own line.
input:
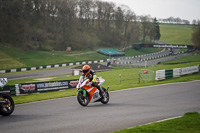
(51, 66)
(26, 88)
(160, 74)
(176, 72)
(188, 70)
(168, 74)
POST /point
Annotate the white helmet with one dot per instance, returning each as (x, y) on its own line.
(3, 82)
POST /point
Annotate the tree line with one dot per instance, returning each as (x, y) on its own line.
(81, 24)
(173, 20)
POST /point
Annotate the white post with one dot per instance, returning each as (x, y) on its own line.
(145, 64)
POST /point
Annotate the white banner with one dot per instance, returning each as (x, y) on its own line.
(189, 70)
(177, 72)
(160, 74)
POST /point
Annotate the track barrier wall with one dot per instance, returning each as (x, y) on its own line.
(176, 72)
(38, 87)
(51, 66)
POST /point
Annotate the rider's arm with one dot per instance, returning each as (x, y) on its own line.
(81, 78)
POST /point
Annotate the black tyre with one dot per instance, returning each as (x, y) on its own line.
(81, 99)
(8, 107)
(106, 98)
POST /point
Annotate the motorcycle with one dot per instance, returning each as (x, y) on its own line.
(90, 94)
(6, 102)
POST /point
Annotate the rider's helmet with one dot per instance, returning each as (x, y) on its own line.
(86, 69)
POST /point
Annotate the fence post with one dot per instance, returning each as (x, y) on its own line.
(139, 78)
(120, 78)
(145, 64)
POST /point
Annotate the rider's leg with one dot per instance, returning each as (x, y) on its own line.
(102, 93)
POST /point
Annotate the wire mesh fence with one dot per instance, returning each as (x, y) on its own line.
(144, 75)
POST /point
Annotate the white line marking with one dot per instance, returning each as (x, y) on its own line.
(156, 121)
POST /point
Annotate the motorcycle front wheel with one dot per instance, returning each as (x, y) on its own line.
(84, 101)
(6, 105)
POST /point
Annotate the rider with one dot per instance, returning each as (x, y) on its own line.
(90, 74)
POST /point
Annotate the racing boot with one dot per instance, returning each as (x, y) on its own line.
(102, 93)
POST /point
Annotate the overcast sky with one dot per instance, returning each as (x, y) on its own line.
(184, 9)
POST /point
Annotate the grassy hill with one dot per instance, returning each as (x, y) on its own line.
(176, 34)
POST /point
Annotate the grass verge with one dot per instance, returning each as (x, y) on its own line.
(189, 123)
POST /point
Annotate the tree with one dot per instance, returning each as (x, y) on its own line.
(55, 24)
(157, 34)
(146, 27)
(196, 36)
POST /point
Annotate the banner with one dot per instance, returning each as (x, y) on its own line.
(52, 86)
(164, 46)
(27, 88)
(73, 83)
(189, 70)
(176, 72)
(47, 86)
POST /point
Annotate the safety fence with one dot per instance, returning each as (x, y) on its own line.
(37, 87)
(176, 72)
(146, 75)
(138, 60)
(51, 66)
(136, 78)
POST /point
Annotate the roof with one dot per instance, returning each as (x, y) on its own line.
(110, 52)
(96, 67)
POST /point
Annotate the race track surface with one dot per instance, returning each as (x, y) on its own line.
(127, 108)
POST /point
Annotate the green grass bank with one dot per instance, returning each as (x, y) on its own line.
(189, 123)
(176, 34)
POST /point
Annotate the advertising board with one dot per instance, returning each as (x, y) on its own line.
(189, 70)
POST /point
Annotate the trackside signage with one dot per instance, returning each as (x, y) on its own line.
(170, 46)
(51, 86)
(188, 70)
(176, 72)
(27, 88)
(165, 46)
(47, 86)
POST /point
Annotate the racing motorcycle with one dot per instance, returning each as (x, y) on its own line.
(90, 94)
(6, 102)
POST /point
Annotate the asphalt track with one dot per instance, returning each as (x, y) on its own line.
(127, 108)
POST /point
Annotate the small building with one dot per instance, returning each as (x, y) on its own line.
(69, 49)
(95, 66)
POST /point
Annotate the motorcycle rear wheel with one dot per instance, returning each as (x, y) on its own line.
(84, 101)
(106, 98)
(8, 107)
